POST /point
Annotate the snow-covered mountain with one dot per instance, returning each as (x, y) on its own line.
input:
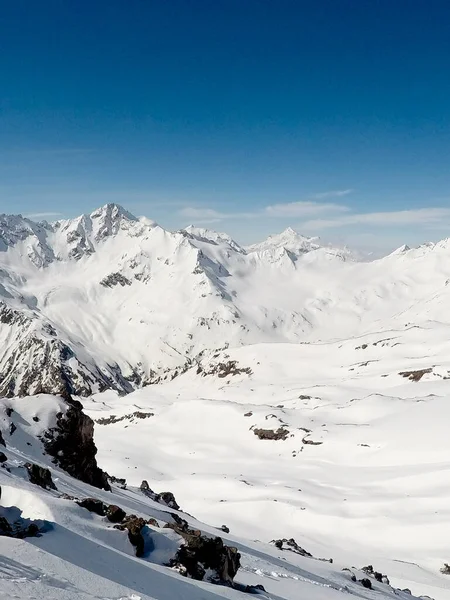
(108, 300)
(298, 392)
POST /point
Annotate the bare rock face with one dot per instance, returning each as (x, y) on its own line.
(40, 476)
(71, 443)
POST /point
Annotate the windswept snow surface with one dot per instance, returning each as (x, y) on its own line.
(348, 361)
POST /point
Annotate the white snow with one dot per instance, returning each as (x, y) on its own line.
(363, 475)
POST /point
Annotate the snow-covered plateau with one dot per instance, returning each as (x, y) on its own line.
(285, 405)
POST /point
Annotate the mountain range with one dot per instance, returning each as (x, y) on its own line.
(111, 301)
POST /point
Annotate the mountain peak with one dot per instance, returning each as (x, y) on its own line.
(112, 212)
(290, 240)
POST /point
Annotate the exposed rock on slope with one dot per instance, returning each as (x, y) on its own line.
(71, 444)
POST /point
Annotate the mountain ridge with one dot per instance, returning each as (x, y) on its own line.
(129, 303)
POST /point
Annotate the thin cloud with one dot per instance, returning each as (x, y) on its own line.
(300, 209)
(332, 194)
(420, 216)
(208, 214)
(303, 209)
(43, 215)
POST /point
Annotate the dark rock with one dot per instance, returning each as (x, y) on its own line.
(201, 553)
(254, 589)
(224, 369)
(366, 583)
(144, 487)
(67, 497)
(445, 570)
(93, 505)
(225, 529)
(115, 514)
(415, 375)
(134, 525)
(5, 527)
(2, 441)
(9, 411)
(115, 279)
(168, 499)
(40, 476)
(270, 434)
(3, 457)
(12, 428)
(291, 545)
(248, 414)
(305, 440)
(407, 591)
(153, 522)
(122, 483)
(369, 570)
(36, 419)
(71, 443)
(352, 575)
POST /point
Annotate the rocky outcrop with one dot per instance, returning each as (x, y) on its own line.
(290, 544)
(115, 514)
(416, 375)
(2, 441)
(114, 279)
(71, 444)
(201, 554)
(223, 369)
(369, 570)
(12, 524)
(134, 525)
(166, 498)
(93, 505)
(40, 476)
(272, 434)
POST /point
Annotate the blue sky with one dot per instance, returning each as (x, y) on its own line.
(242, 115)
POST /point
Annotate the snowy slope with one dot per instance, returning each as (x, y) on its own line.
(114, 301)
(363, 474)
(342, 364)
(80, 555)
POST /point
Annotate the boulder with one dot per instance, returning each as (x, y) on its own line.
(93, 505)
(201, 554)
(366, 583)
(168, 499)
(3, 457)
(134, 525)
(40, 476)
(271, 434)
(115, 514)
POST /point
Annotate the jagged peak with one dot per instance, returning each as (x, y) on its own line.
(113, 212)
